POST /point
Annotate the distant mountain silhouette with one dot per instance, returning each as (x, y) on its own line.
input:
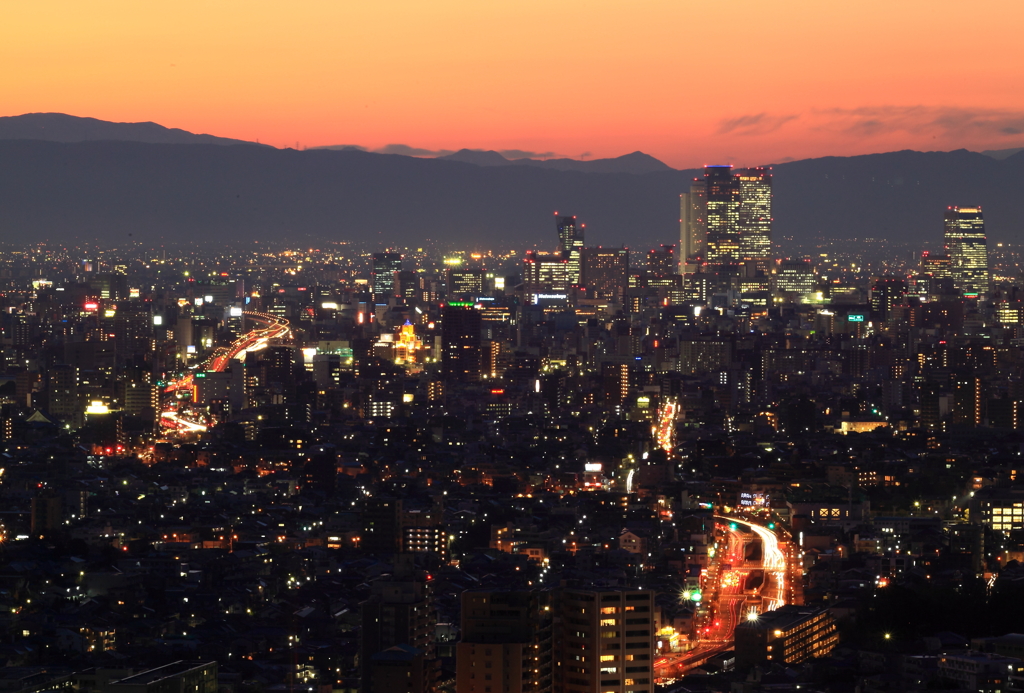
(636, 163)
(1002, 153)
(202, 192)
(59, 127)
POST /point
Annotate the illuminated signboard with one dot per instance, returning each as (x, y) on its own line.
(855, 318)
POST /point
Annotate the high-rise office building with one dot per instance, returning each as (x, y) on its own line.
(739, 219)
(755, 220)
(460, 342)
(723, 216)
(570, 241)
(604, 271)
(385, 265)
(545, 273)
(967, 247)
(693, 232)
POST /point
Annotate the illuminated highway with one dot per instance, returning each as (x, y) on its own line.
(732, 594)
(665, 429)
(181, 420)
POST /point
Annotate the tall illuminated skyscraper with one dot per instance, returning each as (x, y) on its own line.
(570, 240)
(755, 218)
(693, 232)
(723, 216)
(383, 274)
(967, 248)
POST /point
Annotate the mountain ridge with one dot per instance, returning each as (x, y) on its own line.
(61, 127)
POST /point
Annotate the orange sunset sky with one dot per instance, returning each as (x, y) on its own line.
(689, 82)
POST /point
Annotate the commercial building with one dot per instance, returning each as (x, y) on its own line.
(604, 271)
(755, 217)
(723, 216)
(977, 671)
(693, 230)
(382, 275)
(1000, 509)
(794, 277)
(464, 283)
(570, 240)
(967, 247)
(788, 635)
(545, 273)
(460, 342)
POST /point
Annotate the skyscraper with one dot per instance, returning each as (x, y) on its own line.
(723, 216)
(383, 275)
(755, 220)
(967, 248)
(693, 232)
(570, 240)
(460, 342)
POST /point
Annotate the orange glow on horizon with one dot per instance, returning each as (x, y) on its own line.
(745, 82)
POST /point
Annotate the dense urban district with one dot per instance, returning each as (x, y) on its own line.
(718, 465)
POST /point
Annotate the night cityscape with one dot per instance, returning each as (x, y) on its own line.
(532, 347)
(575, 469)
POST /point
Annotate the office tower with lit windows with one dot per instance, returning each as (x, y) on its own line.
(794, 278)
(935, 266)
(604, 271)
(464, 283)
(570, 241)
(738, 219)
(723, 216)
(460, 342)
(382, 273)
(755, 217)
(967, 248)
(545, 273)
(693, 232)
(661, 262)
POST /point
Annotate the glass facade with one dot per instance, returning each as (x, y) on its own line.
(967, 248)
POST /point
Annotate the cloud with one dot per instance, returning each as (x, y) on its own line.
(923, 120)
(407, 150)
(523, 154)
(757, 124)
